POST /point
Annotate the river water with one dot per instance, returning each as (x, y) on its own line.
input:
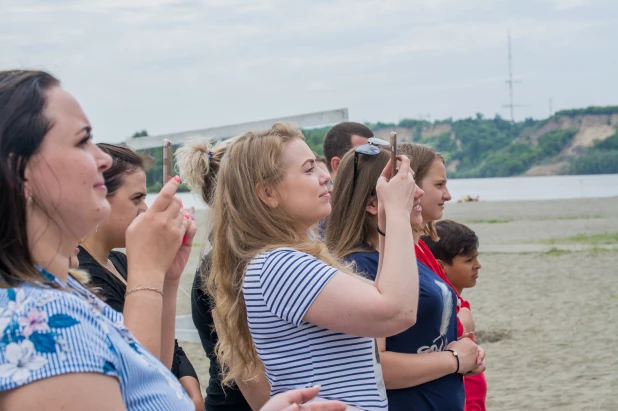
(504, 189)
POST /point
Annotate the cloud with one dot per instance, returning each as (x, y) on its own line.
(170, 65)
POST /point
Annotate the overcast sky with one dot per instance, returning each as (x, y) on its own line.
(176, 65)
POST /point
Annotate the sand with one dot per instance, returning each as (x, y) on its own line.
(546, 308)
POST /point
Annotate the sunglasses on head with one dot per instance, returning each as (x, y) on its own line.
(372, 148)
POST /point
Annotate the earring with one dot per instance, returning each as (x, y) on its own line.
(29, 200)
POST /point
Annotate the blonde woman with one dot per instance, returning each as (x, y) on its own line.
(281, 297)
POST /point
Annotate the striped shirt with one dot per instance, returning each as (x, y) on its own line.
(49, 332)
(279, 287)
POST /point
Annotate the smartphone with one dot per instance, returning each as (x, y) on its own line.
(167, 160)
(394, 152)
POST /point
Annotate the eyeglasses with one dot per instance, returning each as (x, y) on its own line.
(372, 148)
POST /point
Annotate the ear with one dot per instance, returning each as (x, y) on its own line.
(372, 206)
(267, 195)
(334, 163)
(27, 190)
(442, 264)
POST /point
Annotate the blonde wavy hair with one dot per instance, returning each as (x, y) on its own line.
(244, 227)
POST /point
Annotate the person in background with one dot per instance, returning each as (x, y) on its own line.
(340, 139)
(198, 164)
(276, 289)
(62, 347)
(430, 170)
(415, 372)
(126, 192)
(457, 252)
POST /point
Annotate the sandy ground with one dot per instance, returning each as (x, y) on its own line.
(547, 315)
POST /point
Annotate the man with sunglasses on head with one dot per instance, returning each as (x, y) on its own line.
(340, 139)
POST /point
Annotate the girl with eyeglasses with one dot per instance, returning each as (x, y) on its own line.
(422, 366)
(280, 296)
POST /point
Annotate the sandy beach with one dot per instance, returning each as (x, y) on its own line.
(545, 305)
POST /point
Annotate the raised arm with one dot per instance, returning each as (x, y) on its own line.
(389, 306)
(153, 241)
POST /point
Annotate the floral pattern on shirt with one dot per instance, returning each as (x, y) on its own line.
(25, 336)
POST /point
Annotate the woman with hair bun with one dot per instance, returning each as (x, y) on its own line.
(198, 164)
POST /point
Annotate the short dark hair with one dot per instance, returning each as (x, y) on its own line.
(455, 239)
(124, 161)
(338, 140)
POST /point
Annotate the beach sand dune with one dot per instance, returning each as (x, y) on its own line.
(548, 318)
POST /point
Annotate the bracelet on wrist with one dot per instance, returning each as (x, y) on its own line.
(144, 288)
(456, 357)
(382, 233)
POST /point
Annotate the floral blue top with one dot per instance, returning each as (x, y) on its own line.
(48, 332)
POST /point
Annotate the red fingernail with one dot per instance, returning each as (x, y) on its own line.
(184, 240)
(177, 178)
(187, 216)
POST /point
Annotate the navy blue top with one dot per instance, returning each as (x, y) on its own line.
(435, 328)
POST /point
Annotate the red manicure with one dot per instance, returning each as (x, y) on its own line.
(184, 240)
(177, 178)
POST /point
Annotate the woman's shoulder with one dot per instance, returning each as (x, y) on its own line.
(46, 332)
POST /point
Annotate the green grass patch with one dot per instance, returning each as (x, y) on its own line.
(492, 221)
(586, 217)
(604, 238)
(556, 252)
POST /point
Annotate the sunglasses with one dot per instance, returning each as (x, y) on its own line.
(372, 148)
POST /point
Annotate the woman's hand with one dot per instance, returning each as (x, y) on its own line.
(480, 361)
(467, 352)
(396, 193)
(154, 237)
(182, 256)
(294, 399)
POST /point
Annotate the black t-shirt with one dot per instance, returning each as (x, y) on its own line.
(217, 399)
(113, 290)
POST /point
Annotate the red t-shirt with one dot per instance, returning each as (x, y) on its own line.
(476, 385)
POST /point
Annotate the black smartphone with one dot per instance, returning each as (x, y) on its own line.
(167, 160)
(394, 152)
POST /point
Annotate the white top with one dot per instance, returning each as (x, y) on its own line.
(279, 287)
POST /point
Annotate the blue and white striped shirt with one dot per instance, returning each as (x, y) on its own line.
(279, 287)
(49, 332)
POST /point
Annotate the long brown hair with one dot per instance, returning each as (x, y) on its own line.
(23, 126)
(350, 228)
(245, 226)
(421, 158)
(125, 161)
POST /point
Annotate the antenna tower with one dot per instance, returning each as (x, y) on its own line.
(510, 82)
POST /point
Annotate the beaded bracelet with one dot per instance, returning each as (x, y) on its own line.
(132, 290)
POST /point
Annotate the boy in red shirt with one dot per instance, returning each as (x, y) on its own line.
(457, 254)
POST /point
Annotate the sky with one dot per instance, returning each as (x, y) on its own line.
(175, 65)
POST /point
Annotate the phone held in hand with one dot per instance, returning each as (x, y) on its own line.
(167, 160)
(393, 145)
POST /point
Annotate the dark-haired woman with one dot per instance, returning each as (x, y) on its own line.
(126, 192)
(60, 346)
